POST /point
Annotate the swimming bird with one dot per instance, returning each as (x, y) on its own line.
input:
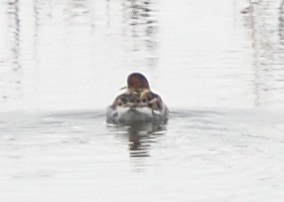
(137, 104)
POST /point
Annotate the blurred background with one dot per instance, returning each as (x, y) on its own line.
(76, 54)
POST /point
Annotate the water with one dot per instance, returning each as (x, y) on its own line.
(217, 64)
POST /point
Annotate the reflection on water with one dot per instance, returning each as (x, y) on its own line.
(264, 24)
(15, 30)
(140, 137)
(98, 44)
(10, 73)
(140, 31)
(281, 22)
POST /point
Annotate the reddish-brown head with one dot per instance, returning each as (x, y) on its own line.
(137, 81)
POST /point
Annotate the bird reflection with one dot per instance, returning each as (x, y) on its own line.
(140, 137)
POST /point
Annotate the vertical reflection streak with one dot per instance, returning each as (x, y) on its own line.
(281, 43)
(36, 29)
(252, 22)
(265, 27)
(108, 12)
(15, 28)
(281, 23)
(140, 28)
(14, 85)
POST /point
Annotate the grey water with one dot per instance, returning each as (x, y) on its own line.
(218, 65)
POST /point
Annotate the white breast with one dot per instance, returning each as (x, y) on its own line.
(127, 115)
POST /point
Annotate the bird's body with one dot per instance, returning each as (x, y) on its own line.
(137, 104)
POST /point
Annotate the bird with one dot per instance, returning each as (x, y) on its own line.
(138, 104)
